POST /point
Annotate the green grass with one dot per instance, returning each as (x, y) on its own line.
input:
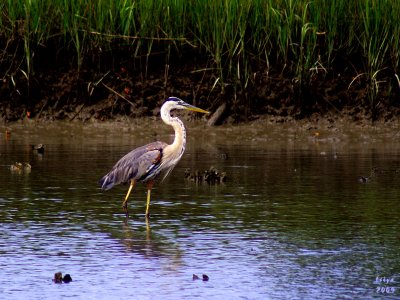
(301, 36)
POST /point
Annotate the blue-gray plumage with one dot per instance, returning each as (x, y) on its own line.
(145, 163)
(140, 164)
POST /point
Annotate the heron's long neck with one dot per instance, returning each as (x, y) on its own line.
(176, 149)
(180, 135)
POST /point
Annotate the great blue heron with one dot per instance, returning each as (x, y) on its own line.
(145, 163)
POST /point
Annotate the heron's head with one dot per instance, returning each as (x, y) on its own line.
(175, 103)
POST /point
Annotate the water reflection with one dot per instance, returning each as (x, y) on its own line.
(291, 222)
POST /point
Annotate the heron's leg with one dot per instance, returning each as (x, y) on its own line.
(148, 237)
(149, 186)
(125, 203)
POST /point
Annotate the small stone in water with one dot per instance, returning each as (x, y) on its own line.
(67, 278)
(57, 277)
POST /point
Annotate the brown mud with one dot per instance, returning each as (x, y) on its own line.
(113, 87)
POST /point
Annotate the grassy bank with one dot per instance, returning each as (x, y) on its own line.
(307, 39)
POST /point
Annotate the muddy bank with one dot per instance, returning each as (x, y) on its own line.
(118, 87)
(266, 131)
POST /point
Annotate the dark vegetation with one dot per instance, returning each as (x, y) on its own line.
(88, 60)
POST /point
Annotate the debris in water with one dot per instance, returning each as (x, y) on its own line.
(210, 176)
(375, 172)
(18, 167)
(58, 278)
(39, 148)
(8, 134)
(204, 276)
(67, 278)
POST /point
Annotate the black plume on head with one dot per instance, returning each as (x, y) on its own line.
(175, 99)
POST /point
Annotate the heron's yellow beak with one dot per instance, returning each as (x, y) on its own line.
(194, 108)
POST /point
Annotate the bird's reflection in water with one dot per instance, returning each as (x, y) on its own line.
(152, 244)
(129, 232)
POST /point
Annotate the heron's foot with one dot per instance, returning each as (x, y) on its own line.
(125, 209)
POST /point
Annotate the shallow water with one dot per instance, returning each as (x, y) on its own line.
(291, 222)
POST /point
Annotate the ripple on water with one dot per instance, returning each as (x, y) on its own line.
(289, 223)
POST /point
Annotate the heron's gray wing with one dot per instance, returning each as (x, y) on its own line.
(139, 164)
